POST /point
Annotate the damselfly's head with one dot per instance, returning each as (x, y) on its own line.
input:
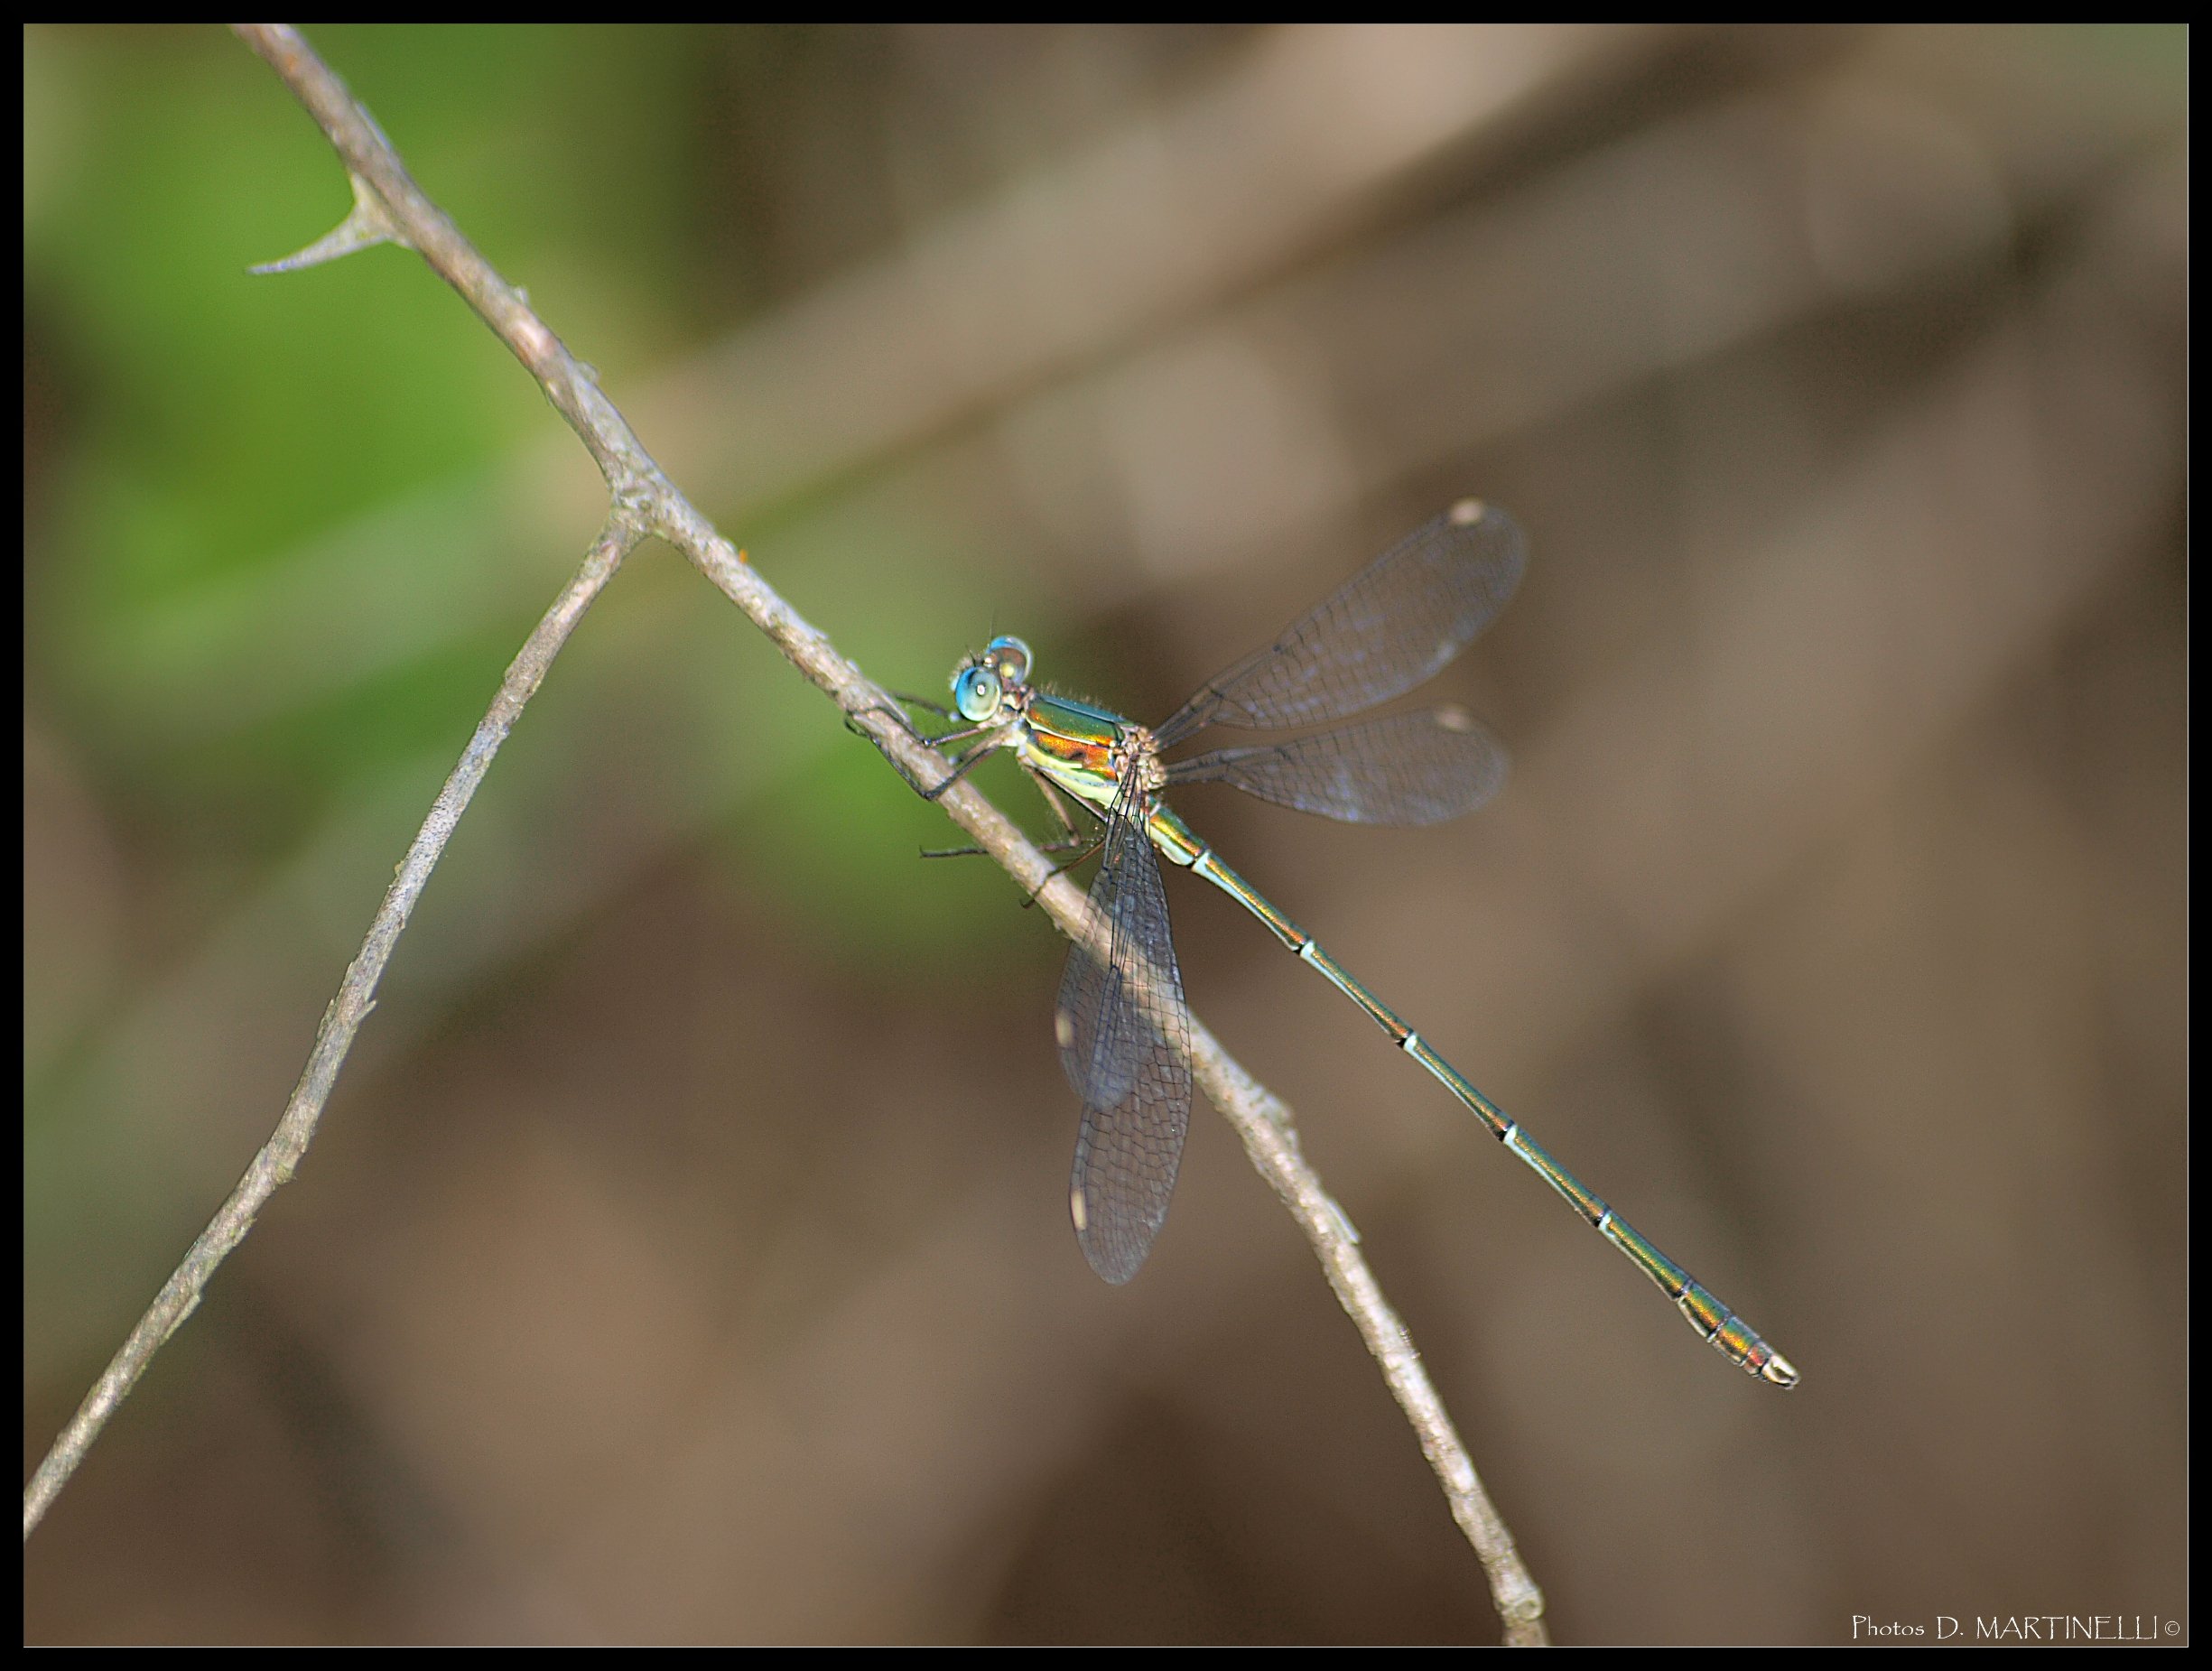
(986, 685)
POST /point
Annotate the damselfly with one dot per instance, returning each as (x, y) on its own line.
(1122, 1026)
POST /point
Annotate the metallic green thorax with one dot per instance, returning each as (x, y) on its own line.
(1086, 749)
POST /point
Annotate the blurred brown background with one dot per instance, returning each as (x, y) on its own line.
(685, 1255)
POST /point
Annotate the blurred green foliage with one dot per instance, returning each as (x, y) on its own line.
(270, 558)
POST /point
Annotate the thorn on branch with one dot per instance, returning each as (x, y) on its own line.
(366, 227)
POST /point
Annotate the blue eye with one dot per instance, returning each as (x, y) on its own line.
(976, 693)
(1009, 657)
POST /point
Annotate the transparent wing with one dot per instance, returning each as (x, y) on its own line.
(1130, 1067)
(1417, 768)
(1391, 626)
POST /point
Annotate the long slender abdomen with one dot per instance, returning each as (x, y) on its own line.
(1718, 1326)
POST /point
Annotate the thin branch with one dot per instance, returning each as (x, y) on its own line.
(643, 501)
(280, 1157)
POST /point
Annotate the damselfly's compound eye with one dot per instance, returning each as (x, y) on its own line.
(1008, 657)
(977, 692)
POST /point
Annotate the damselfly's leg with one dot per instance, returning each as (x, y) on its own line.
(911, 700)
(1069, 838)
(852, 724)
(896, 709)
(966, 762)
(961, 767)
